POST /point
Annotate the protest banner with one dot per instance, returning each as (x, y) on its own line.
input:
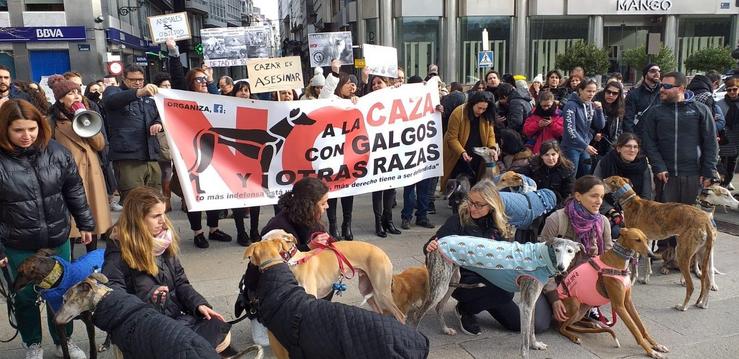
(231, 152)
(280, 73)
(233, 46)
(325, 46)
(381, 60)
(173, 25)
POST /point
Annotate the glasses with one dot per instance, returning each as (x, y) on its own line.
(612, 93)
(134, 80)
(201, 79)
(668, 86)
(652, 71)
(477, 205)
(732, 89)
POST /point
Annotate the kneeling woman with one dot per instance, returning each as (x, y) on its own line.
(141, 258)
(482, 215)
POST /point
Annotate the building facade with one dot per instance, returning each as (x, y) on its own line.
(525, 35)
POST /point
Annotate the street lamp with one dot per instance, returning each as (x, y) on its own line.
(485, 41)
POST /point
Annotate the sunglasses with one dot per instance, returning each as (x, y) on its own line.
(732, 89)
(668, 86)
(612, 93)
(201, 79)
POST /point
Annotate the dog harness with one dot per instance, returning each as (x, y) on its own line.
(581, 282)
(502, 263)
(73, 273)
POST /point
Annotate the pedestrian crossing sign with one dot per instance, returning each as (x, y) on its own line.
(485, 59)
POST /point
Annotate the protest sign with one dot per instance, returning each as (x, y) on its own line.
(281, 73)
(231, 152)
(232, 46)
(381, 60)
(173, 25)
(325, 46)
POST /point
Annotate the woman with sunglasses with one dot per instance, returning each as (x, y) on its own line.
(730, 107)
(199, 79)
(613, 101)
(482, 214)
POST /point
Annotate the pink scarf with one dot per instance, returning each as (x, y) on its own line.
(587, 226)
(162, 242)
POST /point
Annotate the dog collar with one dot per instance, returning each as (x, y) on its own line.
(622, 251)
(53, 276)
(289, 254)
(263, 265)
(622, 191)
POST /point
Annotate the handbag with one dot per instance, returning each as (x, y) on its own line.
(164, 150)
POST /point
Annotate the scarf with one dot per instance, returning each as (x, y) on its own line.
(612, 165)
(162, 242)
(732, 116)
(586, 225)
(545, 113)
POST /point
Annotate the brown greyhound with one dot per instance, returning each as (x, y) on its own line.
(692, 227)
(608, 279)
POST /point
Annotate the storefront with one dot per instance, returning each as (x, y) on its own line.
(47, 48)
(134, 50)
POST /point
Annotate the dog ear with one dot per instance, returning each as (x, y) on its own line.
(580, 247)
(286, 244)
(100, 277)
(289, 238)
(249, 251)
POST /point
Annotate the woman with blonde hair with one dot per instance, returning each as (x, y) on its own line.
(482, 214)
(141, 258)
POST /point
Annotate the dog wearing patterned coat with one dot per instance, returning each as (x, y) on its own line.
(511, 266)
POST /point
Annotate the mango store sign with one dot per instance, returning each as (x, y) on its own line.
(643, 5)
(280, 73)
(57, 33)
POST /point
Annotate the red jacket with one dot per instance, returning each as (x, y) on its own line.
(540, 135)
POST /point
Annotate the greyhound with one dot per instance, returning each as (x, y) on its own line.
(135, 322)
(540, 261)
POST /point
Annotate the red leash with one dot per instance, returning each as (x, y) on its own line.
(317, 246)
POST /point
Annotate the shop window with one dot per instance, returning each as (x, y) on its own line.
(470, 43)
(700, 33)
(550, 37)
(44, 5)
(418, 44)
(3, 5)
(372, 32)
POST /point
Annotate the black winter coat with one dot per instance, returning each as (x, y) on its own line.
(140, 331)
(39, 189)
(182, 297)
(559, 179)
(128, 119)
(313, 328)
(518, 108)
(639, 100)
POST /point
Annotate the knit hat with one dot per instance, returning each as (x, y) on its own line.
(647, 68)
(433, 69)
(415, 79)
(318, 80)
(539, 78)
(61, 86)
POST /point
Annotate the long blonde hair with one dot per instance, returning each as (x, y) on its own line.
(489, 193)
(133, 235)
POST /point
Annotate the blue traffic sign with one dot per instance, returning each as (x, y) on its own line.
(485, 59)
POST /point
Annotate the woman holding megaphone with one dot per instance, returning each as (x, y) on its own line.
(78, 129)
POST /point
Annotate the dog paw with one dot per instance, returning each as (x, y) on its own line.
(539, 346)
(576, 340)
(656, 355)
(449, 331)
(714, 287)
(702, 305)
(681, 307)
(660, 348)
(664, 270)
(643, 281)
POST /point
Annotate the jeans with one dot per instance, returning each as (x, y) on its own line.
(416, 196)
(580, 160)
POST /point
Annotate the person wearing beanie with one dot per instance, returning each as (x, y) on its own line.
(642, 98)
(315, 86)
(69, 98)
(535, 87)
(433, 71)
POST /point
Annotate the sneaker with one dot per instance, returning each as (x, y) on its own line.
(200, 241)
(115, 207)
(220, 236)
(424, 223)
(432, 208)
(34, 351)
(74, 351)
(405, 223)
(467, 322)
(243, 239)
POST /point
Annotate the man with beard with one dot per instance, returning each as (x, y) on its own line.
(642, 98)
(7, 89)
(673, 130)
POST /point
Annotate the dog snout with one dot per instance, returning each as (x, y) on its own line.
(561, 267)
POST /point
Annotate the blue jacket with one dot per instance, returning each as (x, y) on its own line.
(523, 209)
(128, 119)
(577, 132)
(74, 273)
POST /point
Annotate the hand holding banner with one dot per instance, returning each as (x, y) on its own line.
(280, 73)
(247, 153)
(169, 25)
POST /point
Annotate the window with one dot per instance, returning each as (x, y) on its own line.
(470, 43)
(552, 36)
(418, 44)
(44, 5)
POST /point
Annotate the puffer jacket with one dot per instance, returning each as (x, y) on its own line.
(313, 328)
(140, 331)
(16, 94)
(39, 189)
(128, 119)
(680, 138)
(640, 99)
(182, 298)
(518, 108)
(577, 126)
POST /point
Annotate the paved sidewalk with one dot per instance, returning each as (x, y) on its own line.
(709, 333)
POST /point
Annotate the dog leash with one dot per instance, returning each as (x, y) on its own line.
(319, 246)
(6, 290)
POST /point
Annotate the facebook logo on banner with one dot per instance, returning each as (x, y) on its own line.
(218, 108)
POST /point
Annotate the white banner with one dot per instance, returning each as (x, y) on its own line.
(326, 46)
(381, 60)
(232, 46)
(231, 152)
(169, 25)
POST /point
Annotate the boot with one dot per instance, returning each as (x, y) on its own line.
(167, 192)
(346, 230)
(389, 226)
(254, 224)
(333, 230)
(379, 230)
